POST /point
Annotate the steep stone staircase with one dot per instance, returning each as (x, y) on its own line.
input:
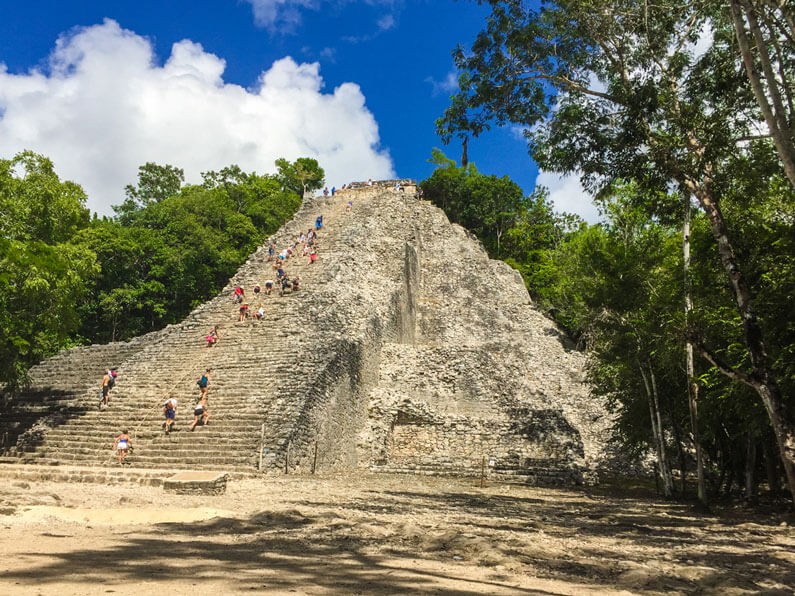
(254, 366)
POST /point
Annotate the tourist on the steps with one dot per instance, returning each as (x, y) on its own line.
(112, 379)
(325, 192)
(243, 311)
(369, 182)
(122, 446)
(283, 255)
(200, 411)
(306, 249)
(238, 295)
(170, 412)
(280, 274)
(105, 389)
(257, 290)
(312, 256)
(397, 186)
(259, 313)
(212, 337)
(285, 285)
(319, 222)
(333, 190)
(271, 251)
(349, 206)
(204, 383)
(268, 286)
(296, 283)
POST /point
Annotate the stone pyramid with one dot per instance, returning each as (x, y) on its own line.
(406, 350)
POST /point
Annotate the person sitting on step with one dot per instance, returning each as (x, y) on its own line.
(123, 445)
(170, 412)
(268, 286)
(200, 411)
(259, 312)
(238, 295)
(257, 290)
(296, 283)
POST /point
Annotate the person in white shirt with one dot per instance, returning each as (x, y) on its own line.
(170, 412)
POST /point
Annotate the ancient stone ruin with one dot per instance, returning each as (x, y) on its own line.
(406, 350)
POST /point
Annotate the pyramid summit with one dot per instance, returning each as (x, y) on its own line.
(406, 349)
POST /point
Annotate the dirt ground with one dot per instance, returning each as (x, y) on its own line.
(364, 534)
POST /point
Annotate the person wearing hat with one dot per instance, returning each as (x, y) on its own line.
(257, 289)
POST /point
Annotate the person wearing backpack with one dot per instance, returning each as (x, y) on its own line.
(204, 384)
(112, 379)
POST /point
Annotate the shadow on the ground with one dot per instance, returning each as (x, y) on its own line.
(262, 553)
(741, 545)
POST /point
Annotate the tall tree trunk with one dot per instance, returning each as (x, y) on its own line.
(692, 385)
(681, 451)
(771, 458)
(659, 438)
(750, 469)
(761, 379)
(774, 115)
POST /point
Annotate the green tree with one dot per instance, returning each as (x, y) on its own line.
(155, 183)
(302, 176)
(621, 94)
(485, 205)
(43, 276)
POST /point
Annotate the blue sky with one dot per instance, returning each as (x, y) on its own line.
(116, 93)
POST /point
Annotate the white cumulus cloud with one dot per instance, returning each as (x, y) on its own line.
(568, 194)
(104, 106)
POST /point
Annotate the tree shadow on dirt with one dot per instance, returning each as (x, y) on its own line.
(265, 551)
(687, 538)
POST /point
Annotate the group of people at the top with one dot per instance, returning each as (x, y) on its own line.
(351, 185)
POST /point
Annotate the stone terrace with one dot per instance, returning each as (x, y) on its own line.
(407, 350)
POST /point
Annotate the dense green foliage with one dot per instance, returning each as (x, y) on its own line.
(520, 230)
(43, 275)
(617, 91)
(66, 278)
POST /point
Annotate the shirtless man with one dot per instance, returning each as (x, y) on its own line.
(105, 388)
